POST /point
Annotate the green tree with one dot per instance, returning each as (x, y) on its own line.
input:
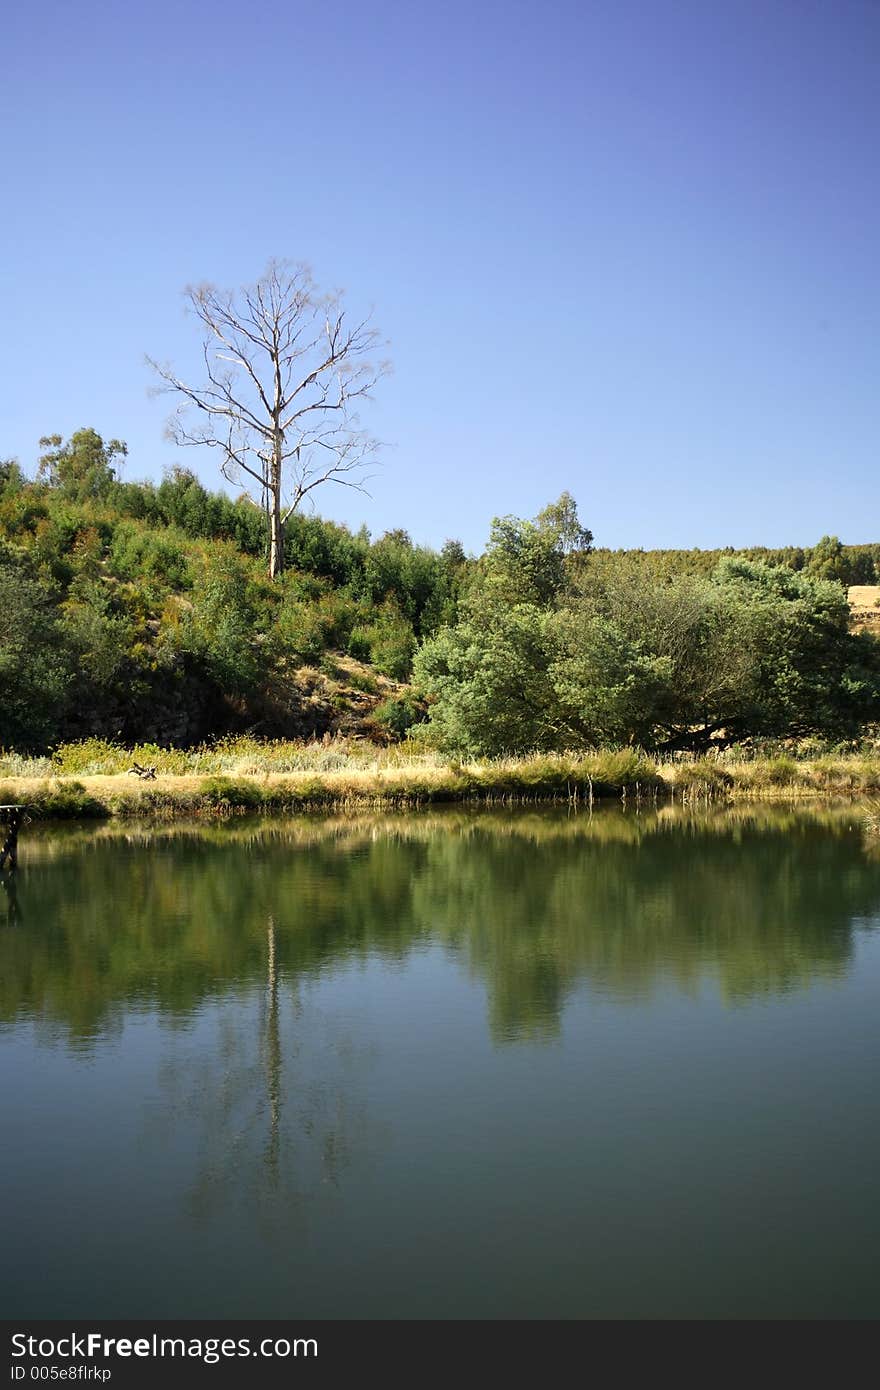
(12, 478)
(35, 666)
(223, 626)
(688, 663)
(489, 683)
(560, 519)
(631, 653)
(809, 672)
(609, 687)
(525, 560)
(829, 560)
(83, 467)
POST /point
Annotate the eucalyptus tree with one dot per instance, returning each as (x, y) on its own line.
(284, 372)
(84, 467)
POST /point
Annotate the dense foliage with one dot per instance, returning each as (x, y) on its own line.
(554, 652)
(142, 612)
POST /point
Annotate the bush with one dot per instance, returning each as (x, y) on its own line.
(393, 646)
(138, 553)
(228, 794)
(91, 757)
(359, 644)
(65, 801)
(397, 715)
(311, 626)
(776, 772)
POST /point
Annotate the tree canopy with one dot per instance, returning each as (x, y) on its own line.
(143, 612)
(550, 654)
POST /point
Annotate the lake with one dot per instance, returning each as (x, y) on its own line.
(469, 1064)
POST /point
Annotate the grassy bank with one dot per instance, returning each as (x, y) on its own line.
(90, 780)
(384, 783)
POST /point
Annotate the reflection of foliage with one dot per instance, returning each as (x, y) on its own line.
(759, 912)
(272, 1107)
(173, 923)
(535, 903)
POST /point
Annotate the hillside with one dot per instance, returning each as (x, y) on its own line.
(864, 602)
(141, 612)
(144, 612)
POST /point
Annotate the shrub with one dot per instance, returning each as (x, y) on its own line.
(362, 680)
(781, 772)
(91, 757)
(397, 715)
(58, 801)
(392, 643)
(359, 644)
(228, 794)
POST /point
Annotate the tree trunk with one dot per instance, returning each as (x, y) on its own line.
(276, 538)
(276, 525)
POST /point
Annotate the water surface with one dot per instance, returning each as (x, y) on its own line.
(461, 1065)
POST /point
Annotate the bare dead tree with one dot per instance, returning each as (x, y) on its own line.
(285, 372)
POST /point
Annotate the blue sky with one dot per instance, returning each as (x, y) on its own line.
(626, 248)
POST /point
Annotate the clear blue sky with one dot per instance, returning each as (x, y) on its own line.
(623, 247)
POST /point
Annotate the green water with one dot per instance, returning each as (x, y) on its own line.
(445, 1066)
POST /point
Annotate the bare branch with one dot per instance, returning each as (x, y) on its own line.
(283, 371)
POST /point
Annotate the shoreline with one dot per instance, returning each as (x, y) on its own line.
(627, 777)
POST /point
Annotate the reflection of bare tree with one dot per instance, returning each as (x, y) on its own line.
(9, 883)
(272, 1044)
(757, 900)
(271, 1107)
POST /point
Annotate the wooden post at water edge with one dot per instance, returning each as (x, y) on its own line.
(11, 818)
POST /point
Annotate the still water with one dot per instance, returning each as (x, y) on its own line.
(461, 1065)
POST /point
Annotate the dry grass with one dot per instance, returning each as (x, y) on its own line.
(863, 597)
(242, 756)
(284, 778)
(863, 602)
(390, 781)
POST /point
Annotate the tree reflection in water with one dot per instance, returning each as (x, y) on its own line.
(446, 1063)
(757, 900)
(274, 1103)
